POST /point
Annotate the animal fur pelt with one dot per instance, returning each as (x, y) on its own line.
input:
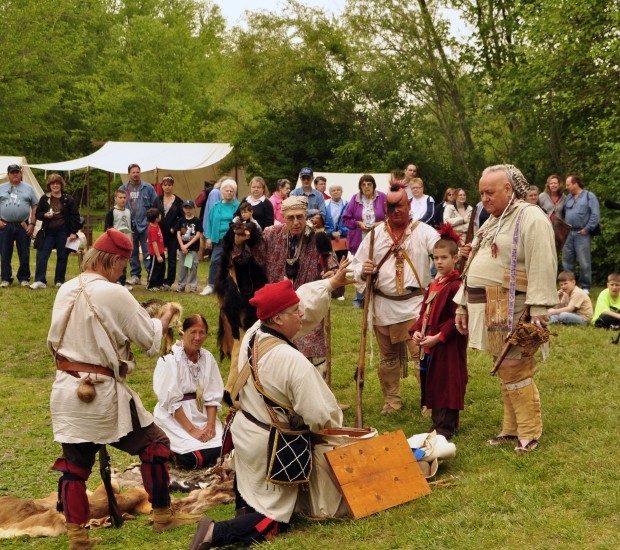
(206, 488)
(39, 518)
(218, 490)
(30, 518)
(155, 309)
(235, 309)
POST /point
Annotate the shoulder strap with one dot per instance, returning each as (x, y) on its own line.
(259, 349)
(90, 305)
(337, 223)
(391, 249)
(239, 383)
(246, 370)
(513, 269)
(415, 273)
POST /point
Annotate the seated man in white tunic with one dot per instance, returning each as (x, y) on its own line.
(189, 391)
(264, 509)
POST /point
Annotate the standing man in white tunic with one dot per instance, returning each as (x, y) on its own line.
(94, 323)
(400, 267)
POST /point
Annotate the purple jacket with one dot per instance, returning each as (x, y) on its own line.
(353, 214)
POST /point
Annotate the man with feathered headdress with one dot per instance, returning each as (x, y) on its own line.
(396, 254)
(512, 265)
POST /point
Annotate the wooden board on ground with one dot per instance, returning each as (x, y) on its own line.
(376, 474)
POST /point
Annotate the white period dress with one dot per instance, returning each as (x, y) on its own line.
(175, 375)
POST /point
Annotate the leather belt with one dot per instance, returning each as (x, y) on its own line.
(398, 298)
(476, 295)
(479, 295)
(73, 368)
(255, 420)
(188, 396)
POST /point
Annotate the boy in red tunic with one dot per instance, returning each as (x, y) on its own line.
(157, 251)
(443, 350)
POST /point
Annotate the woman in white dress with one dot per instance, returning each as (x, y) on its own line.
(189, 391)
(459, 213)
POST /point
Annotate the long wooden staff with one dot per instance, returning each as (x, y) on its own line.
(328, 347)
(468, 238)
(361, 365)
(324, 246)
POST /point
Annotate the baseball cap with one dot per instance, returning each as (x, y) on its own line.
(306, 173)
(188, 203)
(13, 168)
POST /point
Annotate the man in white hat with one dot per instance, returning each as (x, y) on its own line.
(293, 254)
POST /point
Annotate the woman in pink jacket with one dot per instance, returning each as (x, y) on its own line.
(282, 192)
(365, 210)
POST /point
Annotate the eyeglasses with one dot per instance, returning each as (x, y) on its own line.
(55, 183)
(296, 311)
(293, 217)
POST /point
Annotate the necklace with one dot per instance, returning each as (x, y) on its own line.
(399, 257)
(194, 371)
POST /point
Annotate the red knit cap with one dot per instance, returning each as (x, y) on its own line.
(274, 298)
(114, 242)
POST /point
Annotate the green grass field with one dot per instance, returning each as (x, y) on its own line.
(563, 495)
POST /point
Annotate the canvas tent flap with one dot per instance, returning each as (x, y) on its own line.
(350, 182)
(27, 175)
(116, 156)
(189, 163)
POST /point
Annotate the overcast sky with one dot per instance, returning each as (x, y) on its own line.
(233, 9)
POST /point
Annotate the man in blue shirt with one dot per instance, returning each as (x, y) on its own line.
(316, 201)
(141, 197)
(18, 206)
(583, 213)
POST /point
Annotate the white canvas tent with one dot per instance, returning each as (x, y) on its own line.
(27, 175)
(189, 163)
(350, 182)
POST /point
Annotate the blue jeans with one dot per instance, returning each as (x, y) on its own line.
(216, 256)
(577, 248)
(15, 233)
(140, 241)
(566, 318)
(359, 298)
(54, 238)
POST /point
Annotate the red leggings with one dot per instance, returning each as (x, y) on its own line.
(150, 443)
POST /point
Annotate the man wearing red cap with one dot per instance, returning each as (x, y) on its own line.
(400, 266)
(264, 509)
(94, 322)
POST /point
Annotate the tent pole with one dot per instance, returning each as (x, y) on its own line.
(108, 191)
(89, 232)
